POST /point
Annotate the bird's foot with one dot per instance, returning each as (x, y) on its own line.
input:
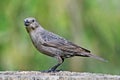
(48, 71)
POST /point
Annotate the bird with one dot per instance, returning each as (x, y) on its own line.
(53, 45)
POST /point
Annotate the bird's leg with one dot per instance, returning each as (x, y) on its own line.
(60, 61)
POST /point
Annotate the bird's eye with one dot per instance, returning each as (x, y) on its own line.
(33, 20)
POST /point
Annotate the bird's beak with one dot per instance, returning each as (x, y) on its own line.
(26, 22)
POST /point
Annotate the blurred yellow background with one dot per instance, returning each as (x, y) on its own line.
(92, 24)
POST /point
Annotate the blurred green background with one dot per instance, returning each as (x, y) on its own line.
(92, 24)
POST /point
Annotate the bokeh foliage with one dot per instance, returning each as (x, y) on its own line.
(93, 24)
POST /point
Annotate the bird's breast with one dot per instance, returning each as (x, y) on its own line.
(38, 43)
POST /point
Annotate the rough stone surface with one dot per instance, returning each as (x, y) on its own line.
(62, 75)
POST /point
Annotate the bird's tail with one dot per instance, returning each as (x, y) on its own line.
(97, 57)
(88, 54)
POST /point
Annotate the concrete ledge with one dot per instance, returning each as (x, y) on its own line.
(62, 75)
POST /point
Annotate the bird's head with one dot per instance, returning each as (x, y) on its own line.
(31, 23)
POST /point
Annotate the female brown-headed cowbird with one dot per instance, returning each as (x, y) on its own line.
(53, 45)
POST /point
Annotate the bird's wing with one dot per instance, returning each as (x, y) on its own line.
(68, 47)
(53, 40)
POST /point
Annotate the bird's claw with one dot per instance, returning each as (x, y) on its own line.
(48, 71)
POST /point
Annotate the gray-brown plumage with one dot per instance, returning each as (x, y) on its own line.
(53, 45)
